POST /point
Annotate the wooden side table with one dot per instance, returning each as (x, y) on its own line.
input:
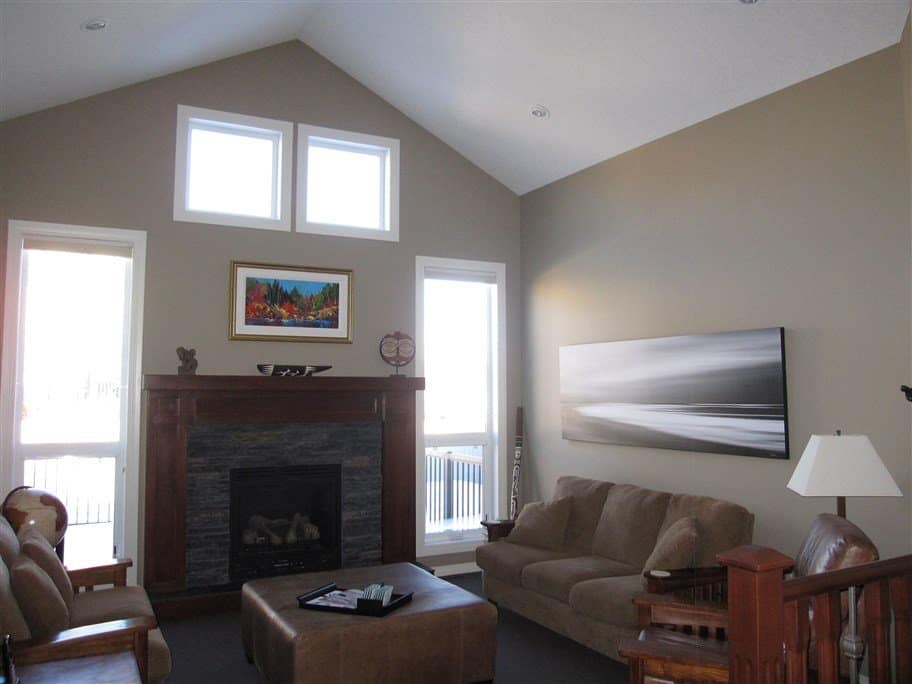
(498, 528)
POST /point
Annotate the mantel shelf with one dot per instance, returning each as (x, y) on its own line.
(259, 383)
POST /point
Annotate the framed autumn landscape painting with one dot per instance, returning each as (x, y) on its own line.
(290, 303)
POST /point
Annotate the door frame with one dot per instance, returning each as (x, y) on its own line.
(18, 232)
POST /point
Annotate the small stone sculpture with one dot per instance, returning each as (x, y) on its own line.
(188, 361)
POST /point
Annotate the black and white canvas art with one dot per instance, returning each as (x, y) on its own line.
(719, 392)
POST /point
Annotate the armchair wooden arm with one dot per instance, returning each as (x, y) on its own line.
(694, 616)
(667, 655)
(91, 640)
(666, 646)
(685, 578)
(111, 573)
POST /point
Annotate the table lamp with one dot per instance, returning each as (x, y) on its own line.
(841, 465)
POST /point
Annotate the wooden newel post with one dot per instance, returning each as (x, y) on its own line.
(756, 629)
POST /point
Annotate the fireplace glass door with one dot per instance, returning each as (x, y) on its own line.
(284, 519)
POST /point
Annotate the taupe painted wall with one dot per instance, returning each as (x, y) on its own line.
(792, 210)
(109, 161)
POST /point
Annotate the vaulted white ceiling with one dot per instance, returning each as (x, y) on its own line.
(613, 74)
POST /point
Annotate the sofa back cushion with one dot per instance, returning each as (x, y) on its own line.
(629, 525)
(11, 619)
(9, 543)
(587, 500)
(42, 605)
(542, 524)
(39, 549)
(723, 525)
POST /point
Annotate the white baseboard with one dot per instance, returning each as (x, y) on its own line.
(456, 569)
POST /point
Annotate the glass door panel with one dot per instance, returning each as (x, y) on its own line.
(458, 345)
(454, 487)
(457, 356)
(71, 401)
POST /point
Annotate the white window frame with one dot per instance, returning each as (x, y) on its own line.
(127, 484)
(390, 192)
(496, 453)
(250, 125)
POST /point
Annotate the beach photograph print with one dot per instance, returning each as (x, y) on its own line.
(290, 303)
(722, 393)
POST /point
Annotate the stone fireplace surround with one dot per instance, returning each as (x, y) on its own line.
(176, 405)
(214, 450)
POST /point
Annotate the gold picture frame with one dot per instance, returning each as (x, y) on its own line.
(277, 303)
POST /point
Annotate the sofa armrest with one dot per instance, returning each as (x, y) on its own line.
(91, 640)
(111, 573)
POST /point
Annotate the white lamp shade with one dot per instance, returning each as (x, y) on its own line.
(842, 465)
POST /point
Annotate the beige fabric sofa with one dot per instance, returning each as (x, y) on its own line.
(582, 586)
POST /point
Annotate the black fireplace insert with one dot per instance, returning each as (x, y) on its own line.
(285, 519)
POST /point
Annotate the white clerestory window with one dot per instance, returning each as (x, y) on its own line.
(232, 170)
(348, 184)
(235, 170)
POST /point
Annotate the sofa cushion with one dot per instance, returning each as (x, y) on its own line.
(42, 605)
(588, 497)
(629, 525)
(116, 603)
(555, 578)
(506, 561)
(39, 549)
(542, 524)
(608, 599)
(676, 547)
(11, 619)
(723, 525)
(9, 543)
(124, 602)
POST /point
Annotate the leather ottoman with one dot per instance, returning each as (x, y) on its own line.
(444, 635)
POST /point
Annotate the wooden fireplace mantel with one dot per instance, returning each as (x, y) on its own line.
(173, 404)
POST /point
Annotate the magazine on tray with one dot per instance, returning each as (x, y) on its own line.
(374, 599)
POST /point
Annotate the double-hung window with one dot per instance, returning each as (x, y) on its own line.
(232, 170)
(460, 352)
(348, 184)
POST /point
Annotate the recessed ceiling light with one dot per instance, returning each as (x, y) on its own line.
(748, 2)
(540, 111)
(94, 24)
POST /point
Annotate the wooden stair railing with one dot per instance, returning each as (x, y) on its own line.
(768, 618)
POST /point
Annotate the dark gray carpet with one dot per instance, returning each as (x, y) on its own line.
(208, 648)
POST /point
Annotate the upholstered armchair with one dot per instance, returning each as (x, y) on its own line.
(55, 614)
